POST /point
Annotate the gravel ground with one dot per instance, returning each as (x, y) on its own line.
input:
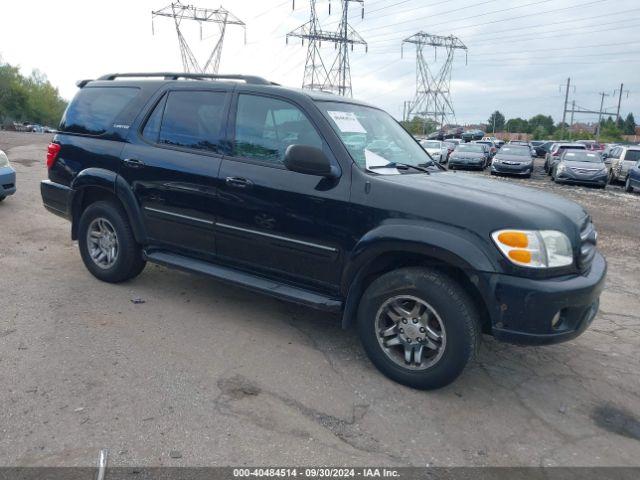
(219, 376)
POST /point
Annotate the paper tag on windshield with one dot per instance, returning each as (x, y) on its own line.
(374, 160)
(347, 122)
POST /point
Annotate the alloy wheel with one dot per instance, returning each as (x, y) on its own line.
(410, 332)
(102, 243)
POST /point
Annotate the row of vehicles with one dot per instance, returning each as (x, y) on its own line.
(582, 162)
(513, 158)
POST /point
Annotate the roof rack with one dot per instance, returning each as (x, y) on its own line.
(251, 79)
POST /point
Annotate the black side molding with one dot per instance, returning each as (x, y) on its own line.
(246, 280)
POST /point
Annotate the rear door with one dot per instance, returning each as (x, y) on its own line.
(172, 164)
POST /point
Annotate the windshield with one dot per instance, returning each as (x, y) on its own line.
(372, 136)
(431, 144)
(474, 147)
(582, 156)
(507, 150)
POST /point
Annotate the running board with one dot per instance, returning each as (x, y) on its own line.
(246, 280)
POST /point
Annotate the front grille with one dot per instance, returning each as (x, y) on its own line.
(588, 240)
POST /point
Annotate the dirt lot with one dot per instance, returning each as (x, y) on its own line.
(225, 377)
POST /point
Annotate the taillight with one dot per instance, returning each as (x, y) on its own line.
(52, 154)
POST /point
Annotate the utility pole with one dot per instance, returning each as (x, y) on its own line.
(573, 109)
(620, 99)
(602, 95)
(566, 101)
(179, 12)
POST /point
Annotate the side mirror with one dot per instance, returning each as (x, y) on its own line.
(605, 155)
(308, 160)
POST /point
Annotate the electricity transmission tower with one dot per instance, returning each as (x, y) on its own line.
(432, 100)
(179, 12)
(317, 76)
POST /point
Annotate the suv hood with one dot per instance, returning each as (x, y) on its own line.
(483, 205)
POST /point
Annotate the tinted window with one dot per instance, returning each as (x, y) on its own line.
(193, 120)
(94, 109)
(633, 155)
(152, 128)
(265, 127)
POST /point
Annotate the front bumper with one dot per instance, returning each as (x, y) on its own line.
(522, 169)
(522, 309)
(567, 176)
(7, 181)
(56, 198)
(466, 163)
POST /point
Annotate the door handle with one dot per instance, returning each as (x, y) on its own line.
(238, 182)
(133, 163)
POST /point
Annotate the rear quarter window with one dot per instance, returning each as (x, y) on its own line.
(94, 109)
(632, 155)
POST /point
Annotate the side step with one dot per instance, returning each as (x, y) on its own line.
(246, 280)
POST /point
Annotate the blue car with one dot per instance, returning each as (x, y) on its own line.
(7, 177)
(633, 178)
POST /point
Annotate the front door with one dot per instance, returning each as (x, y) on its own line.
(280, 222)
(172, 167)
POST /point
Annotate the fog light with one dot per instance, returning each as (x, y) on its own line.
(555, 321)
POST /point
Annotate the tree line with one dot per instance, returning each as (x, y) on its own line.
(543, 126)
(28, 99)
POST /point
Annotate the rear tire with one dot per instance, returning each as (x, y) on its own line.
(2, 198)
(431, 328)
(104, 227)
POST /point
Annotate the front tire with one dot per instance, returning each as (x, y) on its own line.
(107, 245)
(418, 327)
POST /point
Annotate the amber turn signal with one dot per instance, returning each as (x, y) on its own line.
(514, 239)
(521, 256)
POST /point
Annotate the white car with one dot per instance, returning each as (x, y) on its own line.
(437, 149)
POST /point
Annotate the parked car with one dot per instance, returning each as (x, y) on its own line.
(555, 151)
(253, 184)
(513, 160)
(7, 177)
(607, 151)
(436, 149)
(469, 155)
(470, 135)
(622, 159)
(541, 147)
(581, 167)
(592, 145)
(633, 178)
(450, 147)
(492, 147)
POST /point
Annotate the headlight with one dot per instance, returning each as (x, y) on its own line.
(560, 168)
(534, 248)
(4, 161)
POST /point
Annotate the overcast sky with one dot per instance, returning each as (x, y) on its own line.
(520, 51)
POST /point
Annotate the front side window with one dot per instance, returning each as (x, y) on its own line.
(265, 127)
(372, 136)
(193, 120)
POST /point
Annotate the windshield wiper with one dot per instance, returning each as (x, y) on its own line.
(400, 166)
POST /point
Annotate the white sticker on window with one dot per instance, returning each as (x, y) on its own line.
(374, 160)
(347, 122)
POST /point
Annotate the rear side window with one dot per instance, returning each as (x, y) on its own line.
(192, 120)
(94, 109)
(265, 127)
(633, 155)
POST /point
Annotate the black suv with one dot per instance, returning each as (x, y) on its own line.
(324, 201)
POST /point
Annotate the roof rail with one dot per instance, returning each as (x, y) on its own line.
(252, 79)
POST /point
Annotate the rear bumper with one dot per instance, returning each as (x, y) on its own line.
(56, 198)
(524, 308)
(7, 181)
